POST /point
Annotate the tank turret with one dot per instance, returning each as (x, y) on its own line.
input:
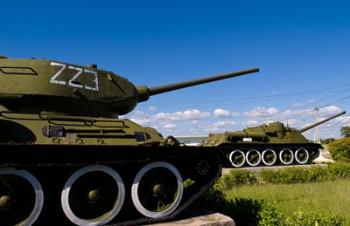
(37, 85)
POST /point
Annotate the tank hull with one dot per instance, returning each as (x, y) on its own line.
(53, 164)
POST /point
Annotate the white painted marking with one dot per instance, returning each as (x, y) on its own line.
(71, 82)
(95, 80)
(55, 76)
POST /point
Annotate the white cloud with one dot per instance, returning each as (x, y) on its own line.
(195, 121)
(187, 115)
(336, 123)
(329, 110)
(169, 126)
(292, 122)
(224, 123)
(140, 118)
(162, 116)
(267, 121)
(298, 105)
(325, 111)
(234, 113)
(262, 112)
(221, 125)
(344, 121)
(192, 114)
(152, 108)
(251, 123)
(221, 113)
(289, 113)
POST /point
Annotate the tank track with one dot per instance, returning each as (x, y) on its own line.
(265, 155)
(188, 171)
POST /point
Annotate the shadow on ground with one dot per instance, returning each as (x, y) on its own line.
(243, 211)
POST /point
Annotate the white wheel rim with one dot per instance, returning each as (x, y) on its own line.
(232, 160)
(281, 156)
(135, 187)
(252, 163)
(105, 218)
(263, 157)
(297, 158)
(39, 194)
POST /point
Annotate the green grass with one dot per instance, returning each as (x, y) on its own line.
(329, 196)
(286, 197)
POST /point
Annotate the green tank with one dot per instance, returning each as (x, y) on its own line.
(266, 145)
(68, 159)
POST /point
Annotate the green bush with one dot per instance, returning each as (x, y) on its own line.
(244, 211)
(251, 212)
(236, 178)
(317, 174)
(339, 170)
(327, 140)
(340, 149)
(269, 215)
(284, 176)
(314, 218)
(294, 175)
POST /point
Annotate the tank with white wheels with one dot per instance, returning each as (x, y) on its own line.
(237, 158)
(253, 157)
(157, 189)
(21, 197)
(276, 143)
(63, 123)
(286, 156)
(269, 157)
(301, 156)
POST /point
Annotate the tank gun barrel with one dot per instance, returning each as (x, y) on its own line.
(145, 92)
(321, 122)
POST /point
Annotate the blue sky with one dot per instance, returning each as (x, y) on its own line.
(301, 47)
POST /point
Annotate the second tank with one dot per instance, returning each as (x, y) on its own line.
(266, 145)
